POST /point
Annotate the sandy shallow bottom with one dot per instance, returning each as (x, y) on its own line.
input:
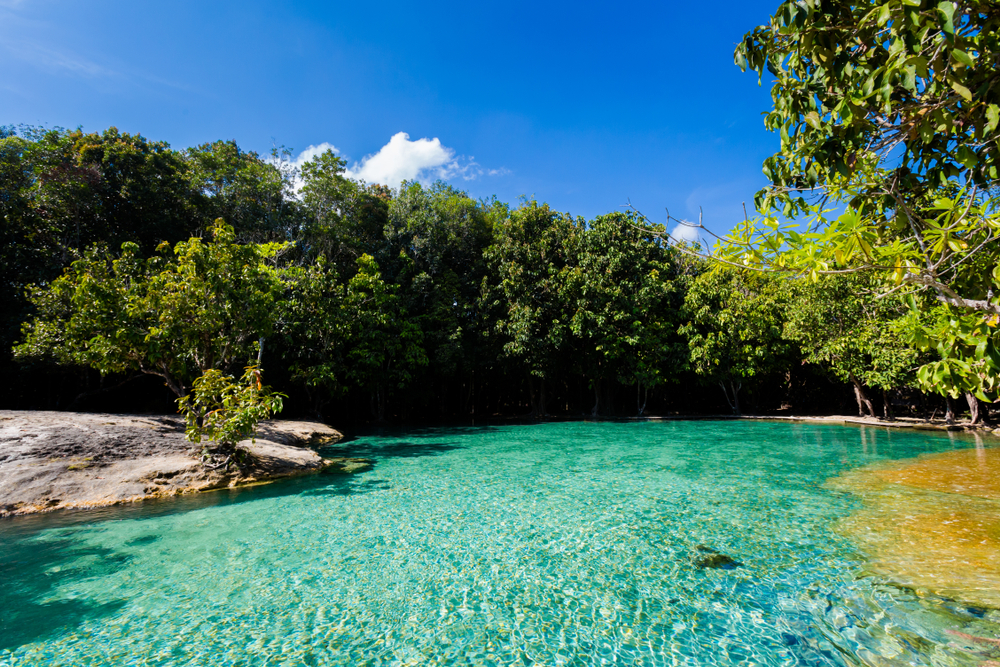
(932, 523)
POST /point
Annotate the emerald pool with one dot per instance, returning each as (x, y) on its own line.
(546, 544)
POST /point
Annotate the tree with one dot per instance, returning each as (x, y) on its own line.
(841, 323)
(110, 187)
(908, 85)
(440, 233)
(210, 306)
(530, 259)
(967, 356)
(733, 328)
(890, 108)
(344, 219)
(250, 193)
(226, 411)
(314, 326)
(625, 295)
(384, 347)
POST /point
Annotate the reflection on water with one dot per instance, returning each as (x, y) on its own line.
(554, 544)
(932, 523)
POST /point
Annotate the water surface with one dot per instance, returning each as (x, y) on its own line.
(551, 544)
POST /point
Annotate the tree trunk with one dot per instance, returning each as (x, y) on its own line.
(887, 407)
(863, 401)
(541, 400)
(378, 404)
(949, 414)
(597, 399)
(469, 389)
(973, 407)
(640, 403)
(734, 402)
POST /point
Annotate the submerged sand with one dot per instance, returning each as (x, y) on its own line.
(62, 460)
(932, 523)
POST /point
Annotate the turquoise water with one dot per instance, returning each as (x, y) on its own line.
(551, 544)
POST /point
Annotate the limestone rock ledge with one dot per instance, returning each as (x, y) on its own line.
(62, 460)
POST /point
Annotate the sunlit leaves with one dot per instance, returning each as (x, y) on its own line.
(224, 410)
(203, 306)
(877, 76)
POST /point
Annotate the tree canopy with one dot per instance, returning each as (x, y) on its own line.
(374, 303)
(888, 113)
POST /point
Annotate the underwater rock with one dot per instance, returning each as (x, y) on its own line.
(347, 465)
(707, 557)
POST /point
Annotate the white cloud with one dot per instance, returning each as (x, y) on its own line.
(312, 152)
(401, 160)
(686, 233)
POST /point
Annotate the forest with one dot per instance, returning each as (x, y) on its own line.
(132, 271)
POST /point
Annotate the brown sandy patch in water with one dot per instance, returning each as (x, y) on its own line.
(932, 523)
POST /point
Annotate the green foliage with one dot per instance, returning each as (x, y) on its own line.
(385, 348)
(734, 328)
(344, 219)
(530, 260)
(226, 411)
(418, 298)
(907, 78)
(438, 235)
(968, 360)
(625, 290)
(174, 317)
(250, 193)
(890, 108)
(314, 326)
(843, 324)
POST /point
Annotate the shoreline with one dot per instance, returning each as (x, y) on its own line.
(66, 460)
(70, 460)
(915, 423)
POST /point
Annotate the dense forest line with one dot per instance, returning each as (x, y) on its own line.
(130, 269)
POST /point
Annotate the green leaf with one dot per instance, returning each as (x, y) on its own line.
(962, 90)
(993, 355)
(961, 56)
(883, 15)
(947, 9)
(992, 117)
(967, 157)
(812, 118)
(740, 60)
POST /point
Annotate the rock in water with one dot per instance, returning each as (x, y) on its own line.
(709, 557)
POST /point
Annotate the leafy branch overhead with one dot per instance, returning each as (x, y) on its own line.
(910, 85)
(887, 110)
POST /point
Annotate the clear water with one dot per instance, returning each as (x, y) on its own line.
(552, 544)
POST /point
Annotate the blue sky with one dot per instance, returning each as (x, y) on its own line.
(582, 106)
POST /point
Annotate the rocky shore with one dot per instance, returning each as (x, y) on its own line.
(62, 460)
